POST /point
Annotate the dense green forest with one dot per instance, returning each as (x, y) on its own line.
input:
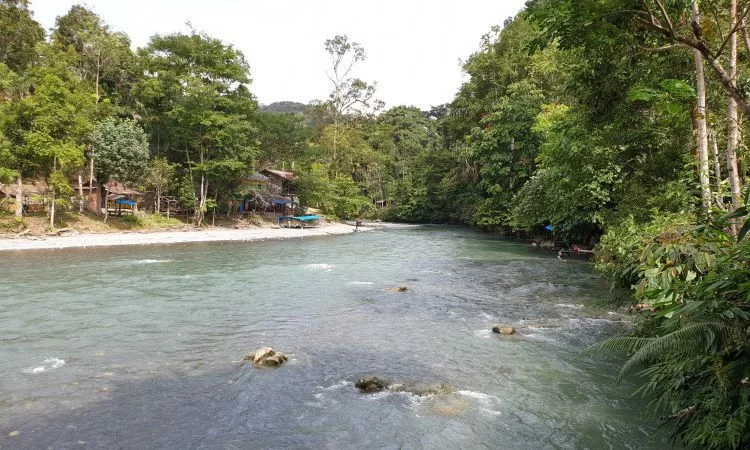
(617, 122)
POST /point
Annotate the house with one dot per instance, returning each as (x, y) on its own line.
(256, 182)
(269, 192)
(32, 194)
(280, 183)
(92, 199)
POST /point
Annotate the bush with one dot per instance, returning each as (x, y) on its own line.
(692, 344)
(14, 224)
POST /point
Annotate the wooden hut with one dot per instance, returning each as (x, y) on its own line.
(31, 193)
(270, 193)
(281, 183)
(121, 199)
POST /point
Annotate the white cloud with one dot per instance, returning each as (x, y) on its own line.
(413, 46)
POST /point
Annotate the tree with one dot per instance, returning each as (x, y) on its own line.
(159, 176)
(120, 149)
(198, 107)
(19, 35)
(46, 129)
(701, 119)
(663, 26)
(283, 138)
(350, 95)
(104, 56)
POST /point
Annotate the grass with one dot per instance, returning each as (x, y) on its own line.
(151, 221)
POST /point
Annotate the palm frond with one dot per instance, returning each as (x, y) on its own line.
(690, 340)
(619, 345)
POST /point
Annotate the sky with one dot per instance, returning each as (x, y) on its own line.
(413, 47)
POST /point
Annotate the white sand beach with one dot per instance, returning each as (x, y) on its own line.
(168, 237)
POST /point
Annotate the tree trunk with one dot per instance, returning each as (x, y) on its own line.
(80, 192)
(733, 119)
(717, 168)
(158, 200)
(52, 210)
(700, 119)
(19, 195)
(106, 204)
(98, 69)
(91, 181)
(200, 211)
(52, 203)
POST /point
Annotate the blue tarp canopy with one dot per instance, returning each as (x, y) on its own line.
(281, 201)
(300, 218)
(549, 228)
(122, 201)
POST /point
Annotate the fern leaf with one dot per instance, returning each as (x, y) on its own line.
(687, 341)
(618, 345)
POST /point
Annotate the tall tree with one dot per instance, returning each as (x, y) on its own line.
(198, 107)
(47, 129)
(350, 96)
(104, 56)
(19, 34)
(120, 149)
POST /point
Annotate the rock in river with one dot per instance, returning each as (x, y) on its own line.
(503, 329)
(266, 357)
(372, 384)
(398, 289)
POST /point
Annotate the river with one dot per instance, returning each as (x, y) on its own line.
(142, 347)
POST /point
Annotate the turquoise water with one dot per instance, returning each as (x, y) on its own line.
(140, 347)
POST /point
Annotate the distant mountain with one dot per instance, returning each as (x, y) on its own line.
(284, 107)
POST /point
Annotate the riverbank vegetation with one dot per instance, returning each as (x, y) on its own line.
(617, 122)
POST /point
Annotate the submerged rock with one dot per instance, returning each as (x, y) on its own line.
(266, 357)
(503, 330)
(423, 389)
(449, 405)
(372, 384)
(398, 289)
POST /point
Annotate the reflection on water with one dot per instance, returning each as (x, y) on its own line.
(142, 346)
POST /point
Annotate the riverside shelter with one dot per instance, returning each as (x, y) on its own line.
(300, 221)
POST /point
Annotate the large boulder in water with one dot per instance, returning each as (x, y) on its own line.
(371, 384)
(266, 357)
(501, 329)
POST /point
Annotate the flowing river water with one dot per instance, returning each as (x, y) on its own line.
(142, 347)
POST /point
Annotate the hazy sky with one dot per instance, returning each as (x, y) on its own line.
(413, 46)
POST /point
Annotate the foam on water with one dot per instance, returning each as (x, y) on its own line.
(150, 261)
(47, 364)
(322, 267)
(568, 305)
(360, 283)
(337, 386)
(482, 333)
(485, 399)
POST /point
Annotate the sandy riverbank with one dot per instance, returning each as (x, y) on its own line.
(169, 237)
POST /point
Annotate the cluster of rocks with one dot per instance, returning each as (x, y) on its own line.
(266, 357)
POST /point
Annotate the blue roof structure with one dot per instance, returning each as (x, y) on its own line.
(300, 218)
